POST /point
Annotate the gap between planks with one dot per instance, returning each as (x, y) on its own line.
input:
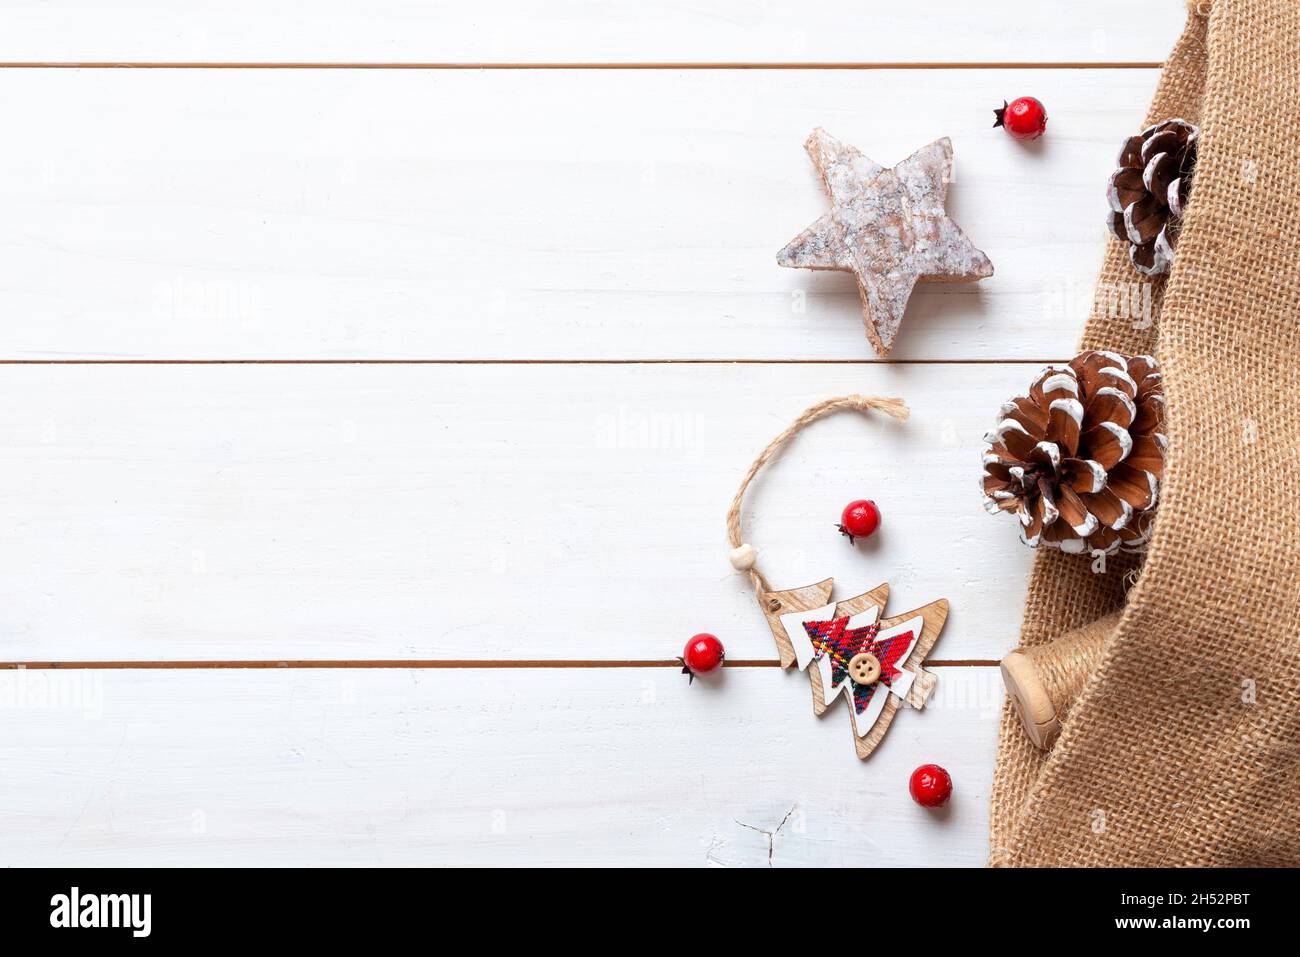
(403, 664)
(183, 65)
(508, 664)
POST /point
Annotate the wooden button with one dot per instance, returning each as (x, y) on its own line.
(864, 668)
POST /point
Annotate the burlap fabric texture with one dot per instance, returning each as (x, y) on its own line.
(1184, 745)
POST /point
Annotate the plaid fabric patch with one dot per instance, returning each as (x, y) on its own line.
(836, 639)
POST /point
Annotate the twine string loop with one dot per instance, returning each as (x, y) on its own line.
(894, 407)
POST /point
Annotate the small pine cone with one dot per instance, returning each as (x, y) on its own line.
(1148, 193)
(1080, 459)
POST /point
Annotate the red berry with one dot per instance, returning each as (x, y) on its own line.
(703, 655)
(930, 786)
(1024, 118)
(859, 519)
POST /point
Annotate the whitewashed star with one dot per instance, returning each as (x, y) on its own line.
(886, 226)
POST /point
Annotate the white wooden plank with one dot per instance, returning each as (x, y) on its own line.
(535, 511)
(611, 766)
(522, 214)
(576, 31)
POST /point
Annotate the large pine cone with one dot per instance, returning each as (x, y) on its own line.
(1080, 459)
(1148, 193)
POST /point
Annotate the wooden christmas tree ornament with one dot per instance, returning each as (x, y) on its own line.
(889, 227)
(844, 646)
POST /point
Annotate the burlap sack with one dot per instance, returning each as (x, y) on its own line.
(1184, 746)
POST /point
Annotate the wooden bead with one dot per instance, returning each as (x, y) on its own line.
(743, 557)
(864, 668)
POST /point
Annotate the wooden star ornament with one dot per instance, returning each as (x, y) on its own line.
(886, 226)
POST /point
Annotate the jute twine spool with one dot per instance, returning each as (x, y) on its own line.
(1045, 680)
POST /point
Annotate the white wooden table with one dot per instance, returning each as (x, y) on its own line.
(441, 334)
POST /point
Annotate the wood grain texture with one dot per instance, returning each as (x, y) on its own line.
(516, 31)
(935, 614)
(398, 767)
(783, 601)
(523, 215)
(888, 227)
(533, 517)
(572, 512)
